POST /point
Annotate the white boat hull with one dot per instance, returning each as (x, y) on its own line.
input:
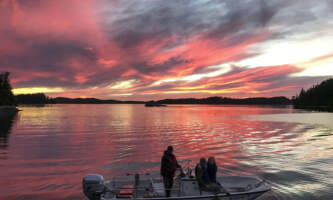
(237, 187)
(208, 197)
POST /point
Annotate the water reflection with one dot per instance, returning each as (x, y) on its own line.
(52, 147)
(7, 121)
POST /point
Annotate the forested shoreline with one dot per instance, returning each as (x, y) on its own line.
(41, 98)
(318, 97)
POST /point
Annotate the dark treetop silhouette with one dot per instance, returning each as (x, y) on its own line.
(6, 95)
(318, 97)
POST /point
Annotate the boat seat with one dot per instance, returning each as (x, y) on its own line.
(158, 188)
(190, 187)
(126, 191)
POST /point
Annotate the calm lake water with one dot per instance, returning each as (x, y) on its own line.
(45, 151)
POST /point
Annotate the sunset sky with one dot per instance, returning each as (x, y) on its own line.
(155, 49)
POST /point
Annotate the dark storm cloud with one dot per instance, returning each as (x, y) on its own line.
(205, 70)
(156, 20)
(52, 82)
(48, 55)
(105, 77)
(243, 16)
(163, 18)
(146, 68)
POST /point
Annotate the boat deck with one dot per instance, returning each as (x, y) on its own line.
(145, 188)
(237, 187)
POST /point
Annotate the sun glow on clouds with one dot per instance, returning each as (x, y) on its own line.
(317, 66)
(35, 90)
(122, 94)
(123, 84)
(324, 69)
(218, 70)
(199, 48)
(313, 53)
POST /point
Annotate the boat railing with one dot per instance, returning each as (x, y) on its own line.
(187, 166)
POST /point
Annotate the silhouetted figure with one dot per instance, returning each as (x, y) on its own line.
(211, 170)
(201, 173)
(169, 165)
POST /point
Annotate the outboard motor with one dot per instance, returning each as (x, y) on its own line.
(93, 186)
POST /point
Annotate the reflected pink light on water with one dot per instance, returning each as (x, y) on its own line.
(51, 148)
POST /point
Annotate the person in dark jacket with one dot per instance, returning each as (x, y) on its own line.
(211, 170)
(169, 165)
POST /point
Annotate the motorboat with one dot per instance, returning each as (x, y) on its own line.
(147, 187)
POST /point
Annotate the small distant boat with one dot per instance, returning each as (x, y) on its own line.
(144, 187)
(154, 104)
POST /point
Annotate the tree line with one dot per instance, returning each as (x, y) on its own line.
(318, 97)
(6, 95)
(229, 101)
(38, 98)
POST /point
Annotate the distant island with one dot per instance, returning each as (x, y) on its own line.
(318, 97)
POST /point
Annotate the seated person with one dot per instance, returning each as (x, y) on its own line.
(211, 173)
(203, 179)
(211, 170)
(201, 174)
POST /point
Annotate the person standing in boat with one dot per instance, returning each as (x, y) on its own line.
(169, 165)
